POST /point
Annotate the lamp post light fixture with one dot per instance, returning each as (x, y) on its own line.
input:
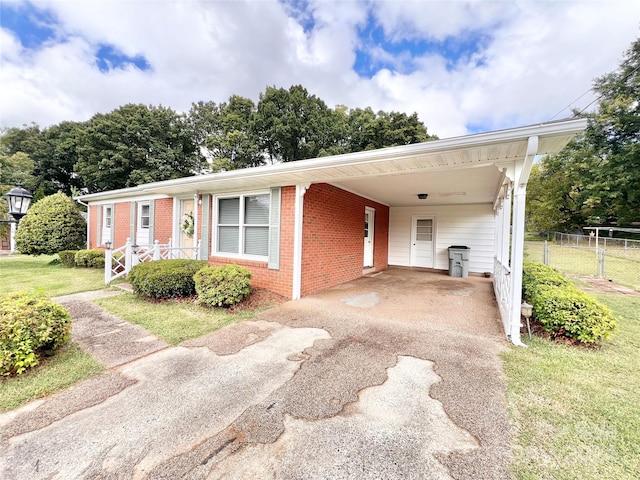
(134, 248)
(526, 310)
(108, 244)
(19, 200)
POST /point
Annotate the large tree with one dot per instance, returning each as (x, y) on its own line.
(134, 144)
(292, 124)
(595, 180)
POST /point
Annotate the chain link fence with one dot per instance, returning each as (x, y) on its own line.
(612, 258)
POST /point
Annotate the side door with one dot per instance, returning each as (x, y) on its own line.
(422, 241)
(369, 224)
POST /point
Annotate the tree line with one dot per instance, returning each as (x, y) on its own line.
(137, 144)
(595, 180)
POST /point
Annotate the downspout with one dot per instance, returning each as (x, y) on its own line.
(297, 240)
(196, 225)
(517, 240)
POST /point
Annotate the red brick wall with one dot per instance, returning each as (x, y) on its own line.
(163, 220)
(333, 237)
(121, 223)
(278, 281)
(93, 226)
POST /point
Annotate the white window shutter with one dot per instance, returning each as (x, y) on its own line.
(99, 224)
(152, 215)
(274, 228)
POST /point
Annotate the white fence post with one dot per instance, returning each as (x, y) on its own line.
(156, 250)
(198, 250)
(128, 256)
(108, 260)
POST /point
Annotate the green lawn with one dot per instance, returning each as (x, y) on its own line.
(576, 411)
(68, 366)
(173, 321)
(21, 272)
(621, 266)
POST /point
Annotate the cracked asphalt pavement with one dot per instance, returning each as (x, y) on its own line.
(388, 376)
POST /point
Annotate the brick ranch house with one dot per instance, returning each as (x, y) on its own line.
(308, 225)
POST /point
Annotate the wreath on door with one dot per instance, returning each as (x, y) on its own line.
(187, 224)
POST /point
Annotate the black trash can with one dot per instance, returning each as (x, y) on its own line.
(459, 261)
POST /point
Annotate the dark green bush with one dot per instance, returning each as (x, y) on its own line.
(562, 309)
(165, 278)
(68, 257)
(30, 326)
(224, 285)
(51, 225)
(93, 258)
(97, 258)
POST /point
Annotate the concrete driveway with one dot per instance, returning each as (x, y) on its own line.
(392, 376)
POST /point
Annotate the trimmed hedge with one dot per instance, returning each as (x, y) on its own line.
(68, 257)
(163, 279)
(93, 258)
(562, 309)
(224, 285)
(30, 326)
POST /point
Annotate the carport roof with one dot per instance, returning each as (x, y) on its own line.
(458, 170)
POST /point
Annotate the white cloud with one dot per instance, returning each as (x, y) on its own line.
(539, 56)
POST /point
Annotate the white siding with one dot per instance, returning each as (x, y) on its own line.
(470, 225)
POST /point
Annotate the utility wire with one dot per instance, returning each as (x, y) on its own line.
(624, 79)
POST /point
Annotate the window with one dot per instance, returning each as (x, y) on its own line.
(144, 216)
(243, 225)
(108, 216)
(424, 230)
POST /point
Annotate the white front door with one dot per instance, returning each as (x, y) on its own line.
(107, 223)
(186, 220)
(142, 230)
(369, 224)
(422, 233)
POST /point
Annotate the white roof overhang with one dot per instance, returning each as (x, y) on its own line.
(452, 171)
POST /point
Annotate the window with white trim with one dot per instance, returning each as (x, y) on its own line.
(108, 217)
(243, 225)
(144, 215)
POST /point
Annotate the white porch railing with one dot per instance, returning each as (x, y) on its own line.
(502, 289)
(119, 261)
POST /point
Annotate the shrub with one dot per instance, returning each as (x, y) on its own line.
(535, 274)
(30, 326)
(90, 258)
(224, 285)
(68, 258)
(51, 225)
(568, 312)
(562, 309)
(165, 278)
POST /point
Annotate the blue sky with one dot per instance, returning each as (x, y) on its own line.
(463, 66)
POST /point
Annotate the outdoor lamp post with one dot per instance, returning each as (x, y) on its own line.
(526, 310)
(19, 201)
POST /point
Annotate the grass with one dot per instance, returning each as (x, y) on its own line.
(621, 266)
(68, 366)
(21, 272)
(172, 321)
(576, 411)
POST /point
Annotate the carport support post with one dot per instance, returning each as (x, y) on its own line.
(297, 240)
(523, 169)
